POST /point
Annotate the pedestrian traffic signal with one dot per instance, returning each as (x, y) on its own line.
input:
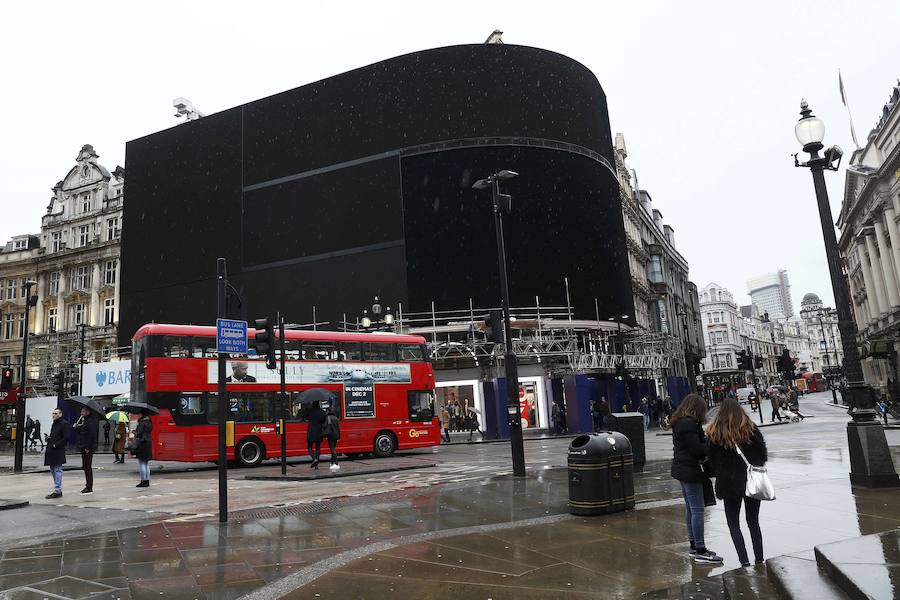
(493, 326)
(757, 362)
(7, 377)
(265, 341)
(785, 362)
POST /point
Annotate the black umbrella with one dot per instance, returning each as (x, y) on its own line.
(136, 407)
(89, 403)
(320, 395)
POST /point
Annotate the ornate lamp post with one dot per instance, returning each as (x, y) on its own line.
(366, 321)
(870, 457)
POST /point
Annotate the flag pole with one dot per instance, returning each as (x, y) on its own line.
(847, 104)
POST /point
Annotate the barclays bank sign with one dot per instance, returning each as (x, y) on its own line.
(107, 379)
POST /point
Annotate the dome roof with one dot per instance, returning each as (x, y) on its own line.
(810, 299)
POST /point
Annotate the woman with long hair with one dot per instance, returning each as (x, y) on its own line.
(689, 450)
(732, 431)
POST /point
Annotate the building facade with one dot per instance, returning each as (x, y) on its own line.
(721, 330)
(75, 264)
(826, 353)
(665, 300)
(870, 245)
(771, 293)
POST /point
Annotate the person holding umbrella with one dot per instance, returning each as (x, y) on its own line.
(119, 420)
(86, 432)
(55, 456)
(332, 432)
(142, 443)
(315, 419)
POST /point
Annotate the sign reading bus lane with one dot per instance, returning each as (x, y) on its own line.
(231, 336)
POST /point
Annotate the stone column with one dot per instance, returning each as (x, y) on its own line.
(887, 266)
(61, 317)
(96, 319)
(894, 235)
(876, 273)
(858, 309)
(871, 299)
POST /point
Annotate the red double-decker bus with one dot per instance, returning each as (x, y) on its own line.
(380, 385)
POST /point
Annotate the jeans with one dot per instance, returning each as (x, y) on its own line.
(87, 457)
(56, 472)
(693, 512)
(332, 448)
(144, 469)
(646, 421)
(733, 515)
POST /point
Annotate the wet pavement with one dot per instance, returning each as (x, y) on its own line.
(459, 529)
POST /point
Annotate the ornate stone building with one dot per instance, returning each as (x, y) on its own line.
(75, 263)
(821, 325)
(870, 243)
(665, 300)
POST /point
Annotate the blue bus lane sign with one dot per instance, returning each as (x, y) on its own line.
(231, 336)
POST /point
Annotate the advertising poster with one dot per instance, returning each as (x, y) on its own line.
(359, 398)
(254, 371)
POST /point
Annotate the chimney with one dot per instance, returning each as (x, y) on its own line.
(646, 201)
(670, 233)
(658, 218)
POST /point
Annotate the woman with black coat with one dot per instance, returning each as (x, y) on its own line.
(86, 431)
(142, 447)
(332, 432)
(315, 418)
(689, 450)
(730, 429)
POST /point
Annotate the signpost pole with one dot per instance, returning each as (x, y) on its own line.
(284, 404)
(222, 281)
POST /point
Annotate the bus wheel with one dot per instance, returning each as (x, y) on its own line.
(250, 452)
(385, 444)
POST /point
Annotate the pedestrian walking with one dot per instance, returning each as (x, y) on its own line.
(315, 418)
(445, 424)
(142, 446)
(106, 431)
(603, 410)
(472, 423)
(644, 409)
(332, 433)
(689, 449)
(732, 431)
(776, 405)
(55, 457)
(29, 429)
(883, 410)
(555, 418)
(36, 434)
(119, 441)
(86, 434)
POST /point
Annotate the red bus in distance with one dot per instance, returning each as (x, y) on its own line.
(380, 385)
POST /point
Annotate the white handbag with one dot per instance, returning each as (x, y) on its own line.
(759, 486)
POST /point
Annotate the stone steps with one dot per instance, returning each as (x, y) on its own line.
(862, 568)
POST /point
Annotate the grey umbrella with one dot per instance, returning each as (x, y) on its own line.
(89, 403)
(136, 407)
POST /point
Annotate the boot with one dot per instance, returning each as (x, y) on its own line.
(143, 483)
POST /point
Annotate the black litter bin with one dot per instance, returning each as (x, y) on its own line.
(631, 424)
(601, 474)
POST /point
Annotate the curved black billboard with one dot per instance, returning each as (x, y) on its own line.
(360, 184)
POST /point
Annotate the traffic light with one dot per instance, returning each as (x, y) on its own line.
(493, 326)
(265, 341)
(6, 379)
(744, 361)
(757, 362)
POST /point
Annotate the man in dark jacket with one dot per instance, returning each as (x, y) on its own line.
(55, 456)
(86, 432)
(315, 420)
(29, 429)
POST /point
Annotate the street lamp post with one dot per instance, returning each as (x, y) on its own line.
(870, 457)
(388, 320)
(18, 459)
(503, 203)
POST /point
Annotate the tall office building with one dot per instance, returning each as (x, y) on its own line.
(771, 293)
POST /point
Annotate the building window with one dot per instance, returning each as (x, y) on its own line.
(109, 272)
(112, 229)
(109, 311)
(86, 203)
(20, 244)
(52, 319)
(11, 289)
(77, 314)
(654, 269)
(84, 235)
(54, 282)
(81, 278)
(9, 326)
(21, 325)
(56, 241)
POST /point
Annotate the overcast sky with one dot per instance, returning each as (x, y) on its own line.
(706, 94)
